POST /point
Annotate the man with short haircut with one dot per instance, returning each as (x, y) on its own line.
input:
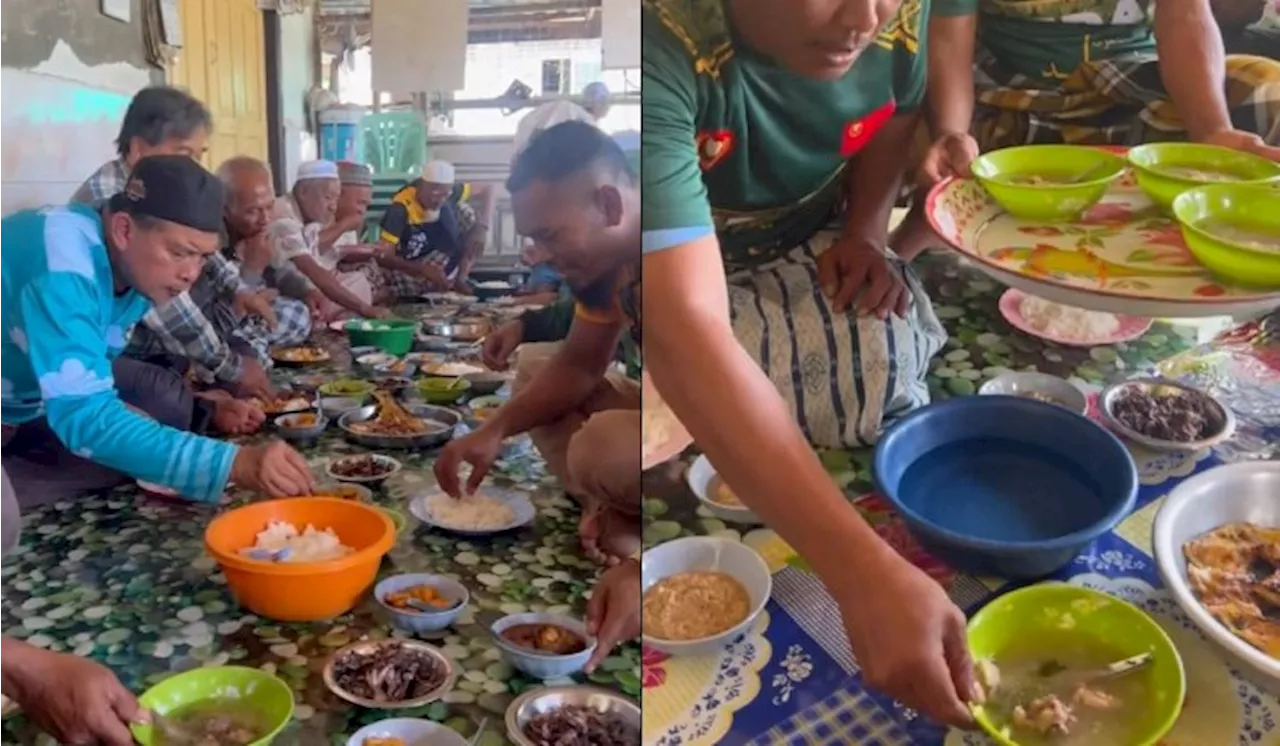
(574, 194)
(163, 120)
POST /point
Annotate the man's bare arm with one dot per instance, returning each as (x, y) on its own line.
(875, 177)
(565, 382)
(327, 283)
(950, 95)
(758, 449)
(1189, 47)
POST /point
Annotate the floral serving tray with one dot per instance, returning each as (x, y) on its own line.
(1124, 255)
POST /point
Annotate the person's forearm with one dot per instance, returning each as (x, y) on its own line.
(327, 283)
(874, 179)
(705, 386)
(18, 666)
(335, 230)
(560, 386)
(398, 264)
(1191, 58)
(950, 94)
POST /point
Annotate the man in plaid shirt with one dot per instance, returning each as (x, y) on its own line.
(230, 352)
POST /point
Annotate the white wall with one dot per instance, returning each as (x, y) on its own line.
(297, 54)
(59, 121)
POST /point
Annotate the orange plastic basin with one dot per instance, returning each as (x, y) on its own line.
(302, 592)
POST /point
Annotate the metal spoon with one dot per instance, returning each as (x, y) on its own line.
(475, 739)
(1067, 681)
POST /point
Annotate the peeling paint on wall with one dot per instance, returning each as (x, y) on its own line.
(32, 29)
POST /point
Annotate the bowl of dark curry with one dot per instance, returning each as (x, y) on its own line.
(573, 716)
(389, 674)
(1166, 415)
(545, 646)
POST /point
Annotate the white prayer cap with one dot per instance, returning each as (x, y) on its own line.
(438, 172)
(595, 92)
(317, 170)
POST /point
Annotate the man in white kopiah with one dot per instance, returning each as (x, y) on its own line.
(595, 106)
(295, 233)
(432, 237)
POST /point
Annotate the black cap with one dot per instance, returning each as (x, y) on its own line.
(174, 188)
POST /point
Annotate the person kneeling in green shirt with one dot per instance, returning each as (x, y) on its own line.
(764, 120)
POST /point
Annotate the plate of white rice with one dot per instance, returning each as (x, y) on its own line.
(1068, 325)
(486, 512)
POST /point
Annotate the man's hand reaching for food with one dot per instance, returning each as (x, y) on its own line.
(480, 449)
(613, 613)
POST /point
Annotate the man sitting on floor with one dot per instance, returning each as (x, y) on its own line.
(297, 237)
(573, 193)
(76, 282)
(1123, 73)
(435, 235)
(164, 120)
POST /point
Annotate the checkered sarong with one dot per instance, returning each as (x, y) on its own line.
(293, 327)
(1120, 101)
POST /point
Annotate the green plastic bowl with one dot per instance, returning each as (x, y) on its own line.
(260, 689)
(1152, 164)
(1203, 211)
(394, 336)
(1050, 614)
(348, 388)
(442, 390)
(999, 171)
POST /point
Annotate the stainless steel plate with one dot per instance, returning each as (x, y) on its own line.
(538, 701)
(446, 418)
(462, 331)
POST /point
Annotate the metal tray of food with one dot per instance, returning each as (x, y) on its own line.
(462, 330)
(446, 418)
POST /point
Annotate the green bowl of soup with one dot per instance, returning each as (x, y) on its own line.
(392, 336)
(1234, 231)
(442, 390)
(1047, 183)
(204, 700)
(348, 388)
(1041, 630)
(1167, 169)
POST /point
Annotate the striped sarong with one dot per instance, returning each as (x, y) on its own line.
(843, 375)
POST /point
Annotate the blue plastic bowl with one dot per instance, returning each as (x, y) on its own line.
(422, 622)
(1003, 485)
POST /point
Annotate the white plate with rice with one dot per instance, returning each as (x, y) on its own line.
(1067, 325)
(489, 511)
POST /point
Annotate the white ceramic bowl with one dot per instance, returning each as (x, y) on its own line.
(412, 731)
(1246, 492)
(700, 477)
(543, 665)
(696, 553)
(334, 407)
(1022, 383)
(416, 621)
(375, 360)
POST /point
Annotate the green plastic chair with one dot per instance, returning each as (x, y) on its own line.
(395, 144)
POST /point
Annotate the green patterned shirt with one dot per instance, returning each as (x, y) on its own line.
(736, 144)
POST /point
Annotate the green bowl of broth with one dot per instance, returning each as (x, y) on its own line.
(1167, 169)
(1052, 627)
(1234, 231)
(204, 700)
(1047, 183)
